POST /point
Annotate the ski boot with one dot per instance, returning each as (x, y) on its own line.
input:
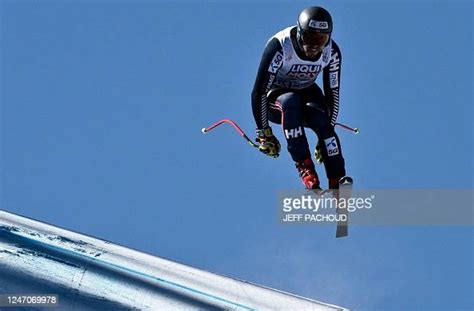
(308, 174)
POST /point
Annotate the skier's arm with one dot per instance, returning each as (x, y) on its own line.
(271, 61)
(331, 82)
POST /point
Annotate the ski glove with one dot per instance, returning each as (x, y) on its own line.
(318, 154)
(268, 143)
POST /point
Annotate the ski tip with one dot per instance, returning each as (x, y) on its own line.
(346, 180)
(342, 231)
(203, 130)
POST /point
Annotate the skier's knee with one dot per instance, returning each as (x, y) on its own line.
(289, 101)
(317, 116)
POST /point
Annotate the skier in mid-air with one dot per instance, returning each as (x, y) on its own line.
(285, 93)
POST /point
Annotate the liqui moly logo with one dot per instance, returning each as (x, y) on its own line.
(304, 71)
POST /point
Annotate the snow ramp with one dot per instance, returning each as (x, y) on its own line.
(86, 273)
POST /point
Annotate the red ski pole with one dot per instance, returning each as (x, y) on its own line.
(205, 130)
(355, 130)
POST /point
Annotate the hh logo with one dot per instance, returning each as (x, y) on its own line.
(331, 146)
(294, 133)
(335, 62)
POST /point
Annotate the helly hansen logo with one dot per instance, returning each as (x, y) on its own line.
(304, 71)
(335, 61)
(294, 133)
(331, 146)
(276, 63)
(318, 25)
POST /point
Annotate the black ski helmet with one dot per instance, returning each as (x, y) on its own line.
(314, 19)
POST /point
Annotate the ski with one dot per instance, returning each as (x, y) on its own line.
(345, 191)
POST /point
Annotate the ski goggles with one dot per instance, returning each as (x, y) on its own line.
(314, 38)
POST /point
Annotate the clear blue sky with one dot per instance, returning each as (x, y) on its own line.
(102, 104)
